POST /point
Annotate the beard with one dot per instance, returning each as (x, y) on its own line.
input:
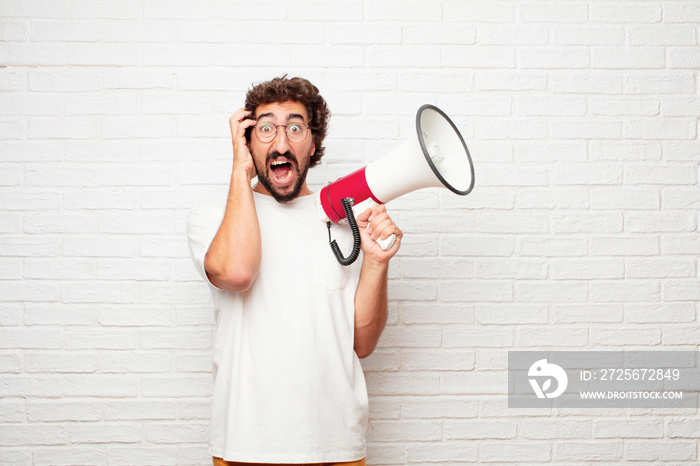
(299, 177)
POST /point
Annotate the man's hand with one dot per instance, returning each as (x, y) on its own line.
(242, 159)
(375, 223)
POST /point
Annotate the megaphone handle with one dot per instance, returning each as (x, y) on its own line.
(386, 243)
(383, 243)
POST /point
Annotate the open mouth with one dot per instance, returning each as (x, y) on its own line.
(282, 171)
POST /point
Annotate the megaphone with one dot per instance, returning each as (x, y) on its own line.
(434, 156)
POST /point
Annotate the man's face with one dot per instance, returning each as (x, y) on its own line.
(282, 165)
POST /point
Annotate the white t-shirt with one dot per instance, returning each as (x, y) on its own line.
(288, 386)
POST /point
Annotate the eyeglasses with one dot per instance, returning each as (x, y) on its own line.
(296, 132)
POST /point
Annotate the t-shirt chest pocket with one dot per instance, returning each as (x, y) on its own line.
(327, 270)
(300, 240)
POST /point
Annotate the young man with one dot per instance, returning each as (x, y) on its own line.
(291, 322)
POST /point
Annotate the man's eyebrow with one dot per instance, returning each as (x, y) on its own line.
(290, 116)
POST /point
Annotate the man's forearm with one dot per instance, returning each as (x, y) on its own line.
(233, 259)
(370, 306)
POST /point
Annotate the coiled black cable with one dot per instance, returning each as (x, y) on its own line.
(356, 240)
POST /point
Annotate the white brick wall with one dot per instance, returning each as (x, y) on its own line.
(581, 233)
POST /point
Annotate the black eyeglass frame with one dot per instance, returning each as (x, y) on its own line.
(302, 125)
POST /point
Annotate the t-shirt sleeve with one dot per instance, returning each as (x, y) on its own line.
(203, 223)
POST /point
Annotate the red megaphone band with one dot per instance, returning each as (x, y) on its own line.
(353, 185)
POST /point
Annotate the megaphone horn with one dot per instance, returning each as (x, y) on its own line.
(436, 155)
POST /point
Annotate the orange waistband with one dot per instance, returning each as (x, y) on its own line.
(221, 462)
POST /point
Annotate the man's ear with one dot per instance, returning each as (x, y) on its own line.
(248, 133)
(249, 130)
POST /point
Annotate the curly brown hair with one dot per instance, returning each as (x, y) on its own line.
(296, 90)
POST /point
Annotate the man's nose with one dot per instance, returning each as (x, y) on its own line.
(281, 143)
